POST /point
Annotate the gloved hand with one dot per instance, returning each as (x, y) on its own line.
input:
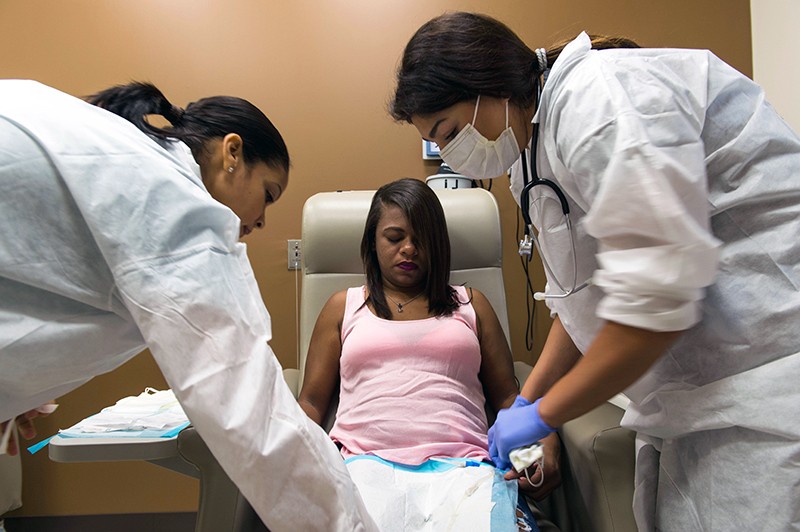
(519, 401)
(515, 427)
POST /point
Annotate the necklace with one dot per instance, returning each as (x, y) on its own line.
(401, 305)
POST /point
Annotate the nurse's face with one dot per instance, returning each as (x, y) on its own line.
(247, 190)
(251, 189)
(443, 126)
(403, 263)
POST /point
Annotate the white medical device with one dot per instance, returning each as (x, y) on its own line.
(446, 177)
(524, 457)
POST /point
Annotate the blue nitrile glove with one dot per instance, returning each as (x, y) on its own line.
(514, 428)
(519, 401)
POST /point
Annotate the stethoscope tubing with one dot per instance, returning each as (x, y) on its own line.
(529, 233)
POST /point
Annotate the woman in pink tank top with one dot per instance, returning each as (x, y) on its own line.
(412, 355)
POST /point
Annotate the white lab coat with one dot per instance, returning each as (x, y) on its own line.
(111, 244)
(684, 189)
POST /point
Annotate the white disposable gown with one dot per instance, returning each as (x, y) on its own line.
(684, 190)
(110, 244)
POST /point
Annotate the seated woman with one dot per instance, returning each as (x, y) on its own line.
(414, 357)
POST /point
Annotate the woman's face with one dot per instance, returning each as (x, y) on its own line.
(443, 126)
(248, 191)
(403, 264)
(245, 188)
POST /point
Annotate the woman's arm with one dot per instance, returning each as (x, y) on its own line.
(558, 356)
(322, 363)
(497, 365)
(618, 356)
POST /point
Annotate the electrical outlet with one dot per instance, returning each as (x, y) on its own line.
(295, 254)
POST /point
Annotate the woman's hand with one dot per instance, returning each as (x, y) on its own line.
(516, 427)
(25, 425)
(552, 471)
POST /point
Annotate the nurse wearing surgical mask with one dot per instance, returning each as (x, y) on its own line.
(677, 280)
(119, 236)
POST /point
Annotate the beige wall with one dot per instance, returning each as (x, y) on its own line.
(776, 65)
(322, 71)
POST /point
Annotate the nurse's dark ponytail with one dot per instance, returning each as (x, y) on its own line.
(201, 121)
(599, 42)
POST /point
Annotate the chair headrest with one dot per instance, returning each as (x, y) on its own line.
(473, 223)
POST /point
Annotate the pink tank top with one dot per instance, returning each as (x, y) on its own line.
(410, 389)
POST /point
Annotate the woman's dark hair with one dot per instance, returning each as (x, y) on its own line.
(201, 121)
(457, 56)
(426, 216)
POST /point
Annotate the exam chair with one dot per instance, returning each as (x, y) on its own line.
(332, 226)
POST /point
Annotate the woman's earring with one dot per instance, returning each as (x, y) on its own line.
(230, 169)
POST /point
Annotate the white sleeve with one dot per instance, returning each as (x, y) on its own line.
(642, 173)
(203, 319)
(186, 281)
(181, 274)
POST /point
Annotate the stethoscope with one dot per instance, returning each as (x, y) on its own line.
(530, 239)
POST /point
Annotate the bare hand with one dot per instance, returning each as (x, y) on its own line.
(25, 425)
(552, 471)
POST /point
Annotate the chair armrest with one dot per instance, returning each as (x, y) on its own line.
(598, 470)
(292, 378)
(521, 372)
